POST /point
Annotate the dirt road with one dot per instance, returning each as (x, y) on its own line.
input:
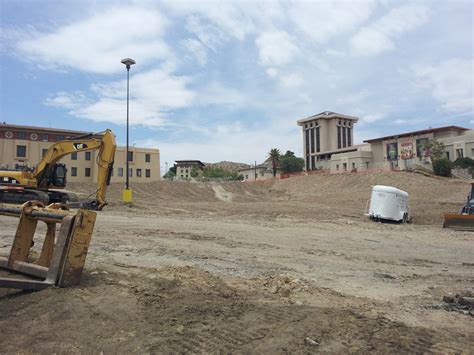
(284, 266)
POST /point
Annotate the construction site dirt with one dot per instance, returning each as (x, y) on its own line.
(284, 266)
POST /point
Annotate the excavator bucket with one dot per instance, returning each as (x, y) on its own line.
(464, 220)
(62, 257)
(457, 221)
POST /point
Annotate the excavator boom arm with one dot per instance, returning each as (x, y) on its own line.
(106, 145)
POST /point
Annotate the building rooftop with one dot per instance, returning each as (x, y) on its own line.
(327, 115)
(43, 129)
(417, 133)
(190, 162)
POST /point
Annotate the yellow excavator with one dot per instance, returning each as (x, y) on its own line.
(45, 181)
(464, 220)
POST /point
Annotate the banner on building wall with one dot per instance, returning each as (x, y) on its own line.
(421, 150)
(392, 151)
(406, 150)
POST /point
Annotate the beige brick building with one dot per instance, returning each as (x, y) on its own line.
(25, 145)
(325, 134)
(185, 167)
(405, 150)
(328, 144)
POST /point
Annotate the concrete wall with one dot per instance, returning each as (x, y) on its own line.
(361, 160)
(183, 170)
(262, 174)
(461, 143)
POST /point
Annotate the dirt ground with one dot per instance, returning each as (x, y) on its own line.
(276, 267)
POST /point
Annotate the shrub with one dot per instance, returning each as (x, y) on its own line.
(464, 163)
(442, 167)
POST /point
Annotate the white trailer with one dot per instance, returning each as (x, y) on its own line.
(388, 203)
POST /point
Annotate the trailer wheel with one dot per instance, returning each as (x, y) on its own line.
(405, 218)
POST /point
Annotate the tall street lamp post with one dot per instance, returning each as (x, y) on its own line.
(127, 193)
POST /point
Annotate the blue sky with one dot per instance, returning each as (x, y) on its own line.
(227, 80)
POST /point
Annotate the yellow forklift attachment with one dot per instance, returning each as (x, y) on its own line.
(458, 221)
(62, 259)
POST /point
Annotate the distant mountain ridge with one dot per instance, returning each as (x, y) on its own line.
(228, 165)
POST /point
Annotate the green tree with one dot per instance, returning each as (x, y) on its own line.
(433, 149)
(219, 173)
(290, 163)
(169, 175)
(274, 156)
(194, 172)
(442, 167)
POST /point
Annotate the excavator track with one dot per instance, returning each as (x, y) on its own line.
(20, 196)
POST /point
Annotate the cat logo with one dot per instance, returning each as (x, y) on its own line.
(79, 146)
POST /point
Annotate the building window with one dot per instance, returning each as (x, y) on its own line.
(147, 158)
(20, 135)
(312, 139)
(459, 153)
(367, 164)
(344, 141)
(339, 137)
(60, 138)
(182, 176)
(318, 140)
(44, 151)
(186, 171)
(87, 172)
(21, 151)
(147, 173)
(307, 142)
(130, 172)
(139, 172)
(120, 171)
(337, 166)
(313, 163)
(130, 156)
(74, 156)
(447, 155)
(73, 171)
(344, 166)
(353, 165)
(45, 137)
(349, 137)
(88, 155)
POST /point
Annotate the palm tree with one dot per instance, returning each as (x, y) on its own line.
(274, 155)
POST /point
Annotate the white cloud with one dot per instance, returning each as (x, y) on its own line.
(372, 117)
(379, 36)
(196, 49)
(451, 83)
(355, 98)
(152, 95)
(276, 48)
(292, 80)
(227, 16)
(97, 43)
(322, 20)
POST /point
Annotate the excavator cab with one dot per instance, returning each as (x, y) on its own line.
(57, 177)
